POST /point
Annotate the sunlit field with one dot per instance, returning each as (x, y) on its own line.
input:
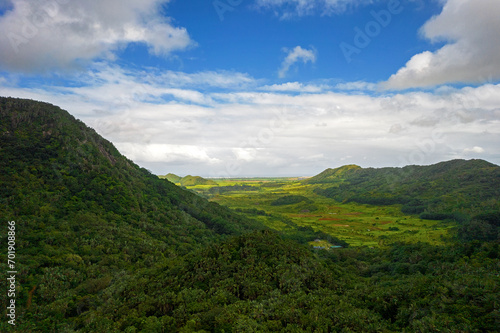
(357, 224)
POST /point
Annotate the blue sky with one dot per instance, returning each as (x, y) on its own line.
(232, 88)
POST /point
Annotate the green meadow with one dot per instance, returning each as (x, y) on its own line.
(356, 224)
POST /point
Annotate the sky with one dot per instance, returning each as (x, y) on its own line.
(241, 88)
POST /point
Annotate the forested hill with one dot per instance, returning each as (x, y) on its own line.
(188, 180)
(332, 175)
(54, 166)
(102, 245)
(457, 186)
(83, 211)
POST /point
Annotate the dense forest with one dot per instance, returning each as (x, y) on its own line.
(467, 192)
(188, 180)
(103, 245)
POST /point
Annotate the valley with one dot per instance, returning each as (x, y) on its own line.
(104, 245)
(356, 224)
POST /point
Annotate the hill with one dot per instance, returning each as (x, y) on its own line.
(102, 245)
(436, 191)
(332, 175)
(188, 180)
(85, 215)
(196, 180)
(172, 178)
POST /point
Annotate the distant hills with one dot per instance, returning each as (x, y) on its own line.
(172, 178)
(436, 191)
(86, 216)
(188, 180)
(332, 175)
(102, 245)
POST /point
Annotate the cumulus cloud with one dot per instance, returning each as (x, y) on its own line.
(50, 34)
(252, 132)
(216, 79)
(357, 85)
(296, 55)
(471, 53)
(295, 86)
(166, 153)
(291, 8)
(476, 150)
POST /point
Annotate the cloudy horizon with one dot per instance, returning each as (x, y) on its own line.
(258, 88)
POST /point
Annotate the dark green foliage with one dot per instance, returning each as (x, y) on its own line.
(304, 235)
(85, 213)
(173, 178)
(482, 227)
(264, 283)
(449, 190)
(414, 206)
(290, 200)
(252, 211)
(332, 175)
(188, 180)
(231, 188)
(492, 218)
(105, 246)
(195, 180)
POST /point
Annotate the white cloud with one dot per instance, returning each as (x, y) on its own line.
(472, 51)
(357, 85)
(291, 8)
(51, 34)
(166, 153)
(295, 55)
(295, 86)
(217, 79)
(253, 132)
(476, 149)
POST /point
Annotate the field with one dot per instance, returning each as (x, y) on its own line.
(286, 204)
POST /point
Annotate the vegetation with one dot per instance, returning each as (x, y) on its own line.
(172, 178)
(85, 215)
(188, 180)
(105, 246)
(454, 187)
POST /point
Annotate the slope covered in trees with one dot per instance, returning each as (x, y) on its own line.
(336, 175)
(105, 246)
(172, 178)
(188, 180)
(458, 186)
(84, 213)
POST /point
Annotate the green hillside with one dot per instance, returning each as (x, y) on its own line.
(437, 191)
(196, 180)
(85, 214)
(172, 178)
(336, 175)
(102, 245)
(188, 180)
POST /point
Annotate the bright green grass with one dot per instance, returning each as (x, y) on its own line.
(359, 225)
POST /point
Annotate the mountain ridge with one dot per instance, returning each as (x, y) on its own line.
(103, 245)
(462, 186)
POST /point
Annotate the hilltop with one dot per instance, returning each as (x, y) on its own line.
(102, 245)
(172, 178)
(332, 175)
(85, 214)
(188, 180)
(196, 180)
(439, 190)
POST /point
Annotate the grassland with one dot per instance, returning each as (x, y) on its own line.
(357, 224)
